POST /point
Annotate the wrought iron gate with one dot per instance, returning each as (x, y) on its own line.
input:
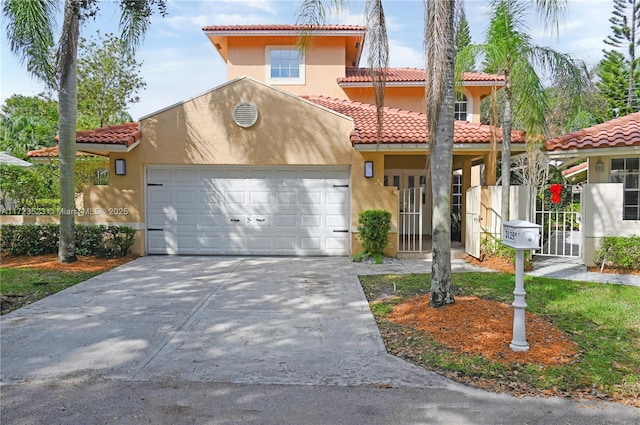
(558, 212)
(410, 220)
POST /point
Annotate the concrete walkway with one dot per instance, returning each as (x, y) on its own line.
(572, 269)
(231, 340)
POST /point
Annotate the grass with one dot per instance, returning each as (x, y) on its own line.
(604, 320)
(22, 286)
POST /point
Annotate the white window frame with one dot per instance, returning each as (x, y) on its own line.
(469, 101)
(622, 176)
(301, 80)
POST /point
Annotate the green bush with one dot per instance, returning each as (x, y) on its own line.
(619, 252)
(38, 239)
(29, 239)
(493, 247)
(374, 227)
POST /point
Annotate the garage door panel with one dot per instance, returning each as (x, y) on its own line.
(186, 176)
(260, 198)
(313, 221)
(286, 198)
(247, 210)
(307, 244)
(159, 175)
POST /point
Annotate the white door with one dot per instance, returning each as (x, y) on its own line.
(248, 210)
(473, 229)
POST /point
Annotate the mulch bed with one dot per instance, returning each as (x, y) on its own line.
(476, 326)
(50, 262)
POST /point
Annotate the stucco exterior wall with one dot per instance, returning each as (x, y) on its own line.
(201, 131)
(324, 63)
(602, 206)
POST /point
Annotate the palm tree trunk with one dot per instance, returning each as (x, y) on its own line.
(68, 105)
(440, 110)
(506, 150)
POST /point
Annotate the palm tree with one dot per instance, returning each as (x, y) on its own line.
(510, 51)
(30, 28)
(441, 59)
(441, 52)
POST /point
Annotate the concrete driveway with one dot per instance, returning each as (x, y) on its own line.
(213, 319)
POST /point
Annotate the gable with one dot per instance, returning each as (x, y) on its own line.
(288, 130)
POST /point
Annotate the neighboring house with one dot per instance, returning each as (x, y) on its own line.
(610, 197)
(282, 158)
(5, 158)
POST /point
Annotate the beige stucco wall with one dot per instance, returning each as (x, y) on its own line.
(324, 62)
(201, 131)
(602, 206)
(413, 98)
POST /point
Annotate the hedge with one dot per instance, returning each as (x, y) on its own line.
(38, 239)
(619, 252)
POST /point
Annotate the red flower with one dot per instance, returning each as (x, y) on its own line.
(556, 190)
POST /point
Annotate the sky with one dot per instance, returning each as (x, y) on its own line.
(179, 62)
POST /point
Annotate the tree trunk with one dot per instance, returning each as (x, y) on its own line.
(632, 61)
(441, 169)
(67, 106)
(506, 150)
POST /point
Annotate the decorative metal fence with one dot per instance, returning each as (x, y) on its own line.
(410, 220)
(558, 212)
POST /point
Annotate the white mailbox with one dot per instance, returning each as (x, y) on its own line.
(521, 234)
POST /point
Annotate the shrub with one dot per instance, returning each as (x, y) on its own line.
(493, 247)
(374, 227)
(38, 239)
(29, 239)
(619, 252)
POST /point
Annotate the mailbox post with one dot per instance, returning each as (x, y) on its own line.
(521, 235)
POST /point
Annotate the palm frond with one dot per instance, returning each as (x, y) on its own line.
(313, 13)
(135, 19)
(29, 29)
(377, 44)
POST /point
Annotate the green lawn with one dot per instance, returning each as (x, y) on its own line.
(603, 319)
(21, 286)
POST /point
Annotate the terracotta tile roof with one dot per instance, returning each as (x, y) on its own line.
(623, 131)
(410, 75)
(400, 126)
(122, 134)
(575, 169)
(283, 27)
(52, 152)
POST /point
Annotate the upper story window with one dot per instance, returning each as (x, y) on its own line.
(461, 107)
(627, 172)
(284, 65)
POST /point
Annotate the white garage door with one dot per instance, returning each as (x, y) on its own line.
(248, 210)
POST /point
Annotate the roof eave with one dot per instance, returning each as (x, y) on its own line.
(457, 147)
(367, 84)
(106, 147)
(253, 33)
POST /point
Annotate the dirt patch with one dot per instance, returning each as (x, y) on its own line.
(476, 326)
(614, 271)
(500, 264)
(50, 262)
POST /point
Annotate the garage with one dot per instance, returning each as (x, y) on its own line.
(247, 210)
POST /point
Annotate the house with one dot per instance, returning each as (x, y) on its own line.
(610, 198)
(281, 158)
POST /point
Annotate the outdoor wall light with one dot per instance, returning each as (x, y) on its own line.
(599, 166)
(368, 169)
(121, 167)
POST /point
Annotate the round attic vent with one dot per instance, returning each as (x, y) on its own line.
(245, 114)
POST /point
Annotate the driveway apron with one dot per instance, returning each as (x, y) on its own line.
(270, 320)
